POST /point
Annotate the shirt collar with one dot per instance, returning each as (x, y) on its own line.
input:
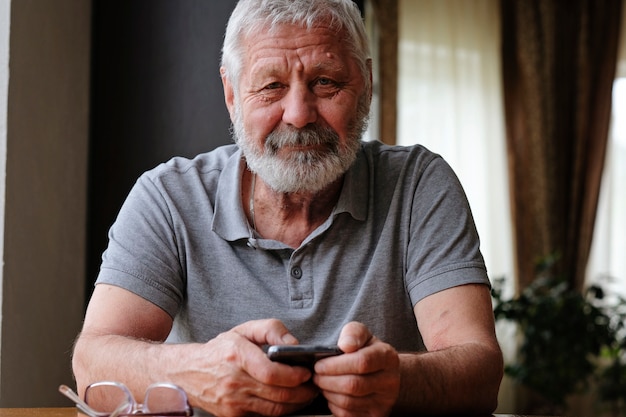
(229, 220)
(355, 192)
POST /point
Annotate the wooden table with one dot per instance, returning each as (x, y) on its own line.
(71, 412)
(39, 412)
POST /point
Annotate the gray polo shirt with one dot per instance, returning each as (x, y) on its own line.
(401, 230)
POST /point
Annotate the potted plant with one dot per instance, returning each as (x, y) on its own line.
(568, 339)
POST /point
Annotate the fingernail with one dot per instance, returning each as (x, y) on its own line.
(289, 339)
(351, 342)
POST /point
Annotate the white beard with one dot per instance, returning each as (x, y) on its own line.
(306, 170)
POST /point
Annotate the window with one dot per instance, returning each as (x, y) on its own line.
(609, 239)
(450, 100)
(608, 248)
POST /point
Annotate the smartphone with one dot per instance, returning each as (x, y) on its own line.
(301, 355)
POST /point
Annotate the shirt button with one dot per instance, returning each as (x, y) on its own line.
(296, 272)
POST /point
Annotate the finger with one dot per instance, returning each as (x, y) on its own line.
(276, 374)
(383, 382)
(374, 394)
(347, 402)
(300, 395)
(266, 331)
(257, 402)
(352, 385)
(344, 406)
(254, 362)
(271, 397)
(254, 384)
(375, 357)
(353, 337)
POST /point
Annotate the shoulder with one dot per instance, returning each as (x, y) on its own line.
(181, 174)
(381, 154)
(410, 164)
(184, 179)
(215, 160)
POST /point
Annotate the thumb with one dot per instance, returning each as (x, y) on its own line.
(353, 337)
(266, 332)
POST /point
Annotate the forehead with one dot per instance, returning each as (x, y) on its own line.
(286, 47)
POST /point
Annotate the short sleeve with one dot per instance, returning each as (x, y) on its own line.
(444, 247)
(142, 254)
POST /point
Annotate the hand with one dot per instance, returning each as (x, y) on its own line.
(232, 376)
(363, 381)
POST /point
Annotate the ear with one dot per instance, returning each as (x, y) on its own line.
(229, 93)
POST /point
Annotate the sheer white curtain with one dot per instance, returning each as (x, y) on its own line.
(450, 100)
(608, 248)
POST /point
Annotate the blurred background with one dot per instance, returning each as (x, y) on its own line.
(525, 99)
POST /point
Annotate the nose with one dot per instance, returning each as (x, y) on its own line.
(299, 108)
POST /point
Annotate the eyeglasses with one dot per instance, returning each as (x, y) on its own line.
(114, 399)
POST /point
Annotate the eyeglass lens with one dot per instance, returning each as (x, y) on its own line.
(164, 399)
(107, 397)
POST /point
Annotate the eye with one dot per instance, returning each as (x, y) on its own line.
(273, 86)
(326, 87)
(325, 81)
(271, 91)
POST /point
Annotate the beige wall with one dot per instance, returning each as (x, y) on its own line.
(45, 201)
(5, 18)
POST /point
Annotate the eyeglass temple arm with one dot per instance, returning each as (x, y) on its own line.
(82, 405)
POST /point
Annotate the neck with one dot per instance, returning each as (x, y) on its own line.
(287, 217)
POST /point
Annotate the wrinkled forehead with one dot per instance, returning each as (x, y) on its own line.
(323, 27)
(319, 46)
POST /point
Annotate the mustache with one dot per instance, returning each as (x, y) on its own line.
(311, 135)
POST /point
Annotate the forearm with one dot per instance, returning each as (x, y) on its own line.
(228, 375)
(136, 363)
(462, 379)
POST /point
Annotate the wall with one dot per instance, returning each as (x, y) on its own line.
(5, 19)
(45, 210)
(157, 93)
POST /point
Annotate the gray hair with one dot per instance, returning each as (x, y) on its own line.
(252, 16)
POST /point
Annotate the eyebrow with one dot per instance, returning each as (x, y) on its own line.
(329, 65)
(259, 73)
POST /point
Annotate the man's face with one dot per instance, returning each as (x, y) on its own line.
(301, 107)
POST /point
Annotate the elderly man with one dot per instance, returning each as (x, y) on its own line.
(298, 233)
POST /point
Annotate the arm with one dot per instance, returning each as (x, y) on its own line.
(462, 370)
(122, 340)
(460, 373)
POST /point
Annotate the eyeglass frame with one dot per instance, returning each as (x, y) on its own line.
(136, 408)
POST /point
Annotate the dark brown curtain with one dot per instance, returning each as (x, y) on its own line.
(386, 15)
(559, 59)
